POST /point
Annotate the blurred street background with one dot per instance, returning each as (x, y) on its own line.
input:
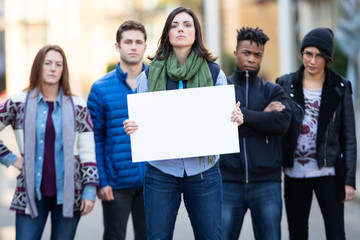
(86, 30)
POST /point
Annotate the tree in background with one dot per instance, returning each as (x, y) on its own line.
(348, 39)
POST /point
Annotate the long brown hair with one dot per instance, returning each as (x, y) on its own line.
(36, 70)
(198, 46)
(329, 61)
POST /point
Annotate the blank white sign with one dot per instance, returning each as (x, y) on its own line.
(183, 123)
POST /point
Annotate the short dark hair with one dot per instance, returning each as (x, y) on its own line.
(198, 46)
(257, 35)
(130, 25)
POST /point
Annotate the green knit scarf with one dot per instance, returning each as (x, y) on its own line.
(195, 71)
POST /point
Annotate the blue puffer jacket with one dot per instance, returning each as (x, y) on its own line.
(107, 103)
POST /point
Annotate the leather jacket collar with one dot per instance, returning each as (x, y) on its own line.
(332, 91)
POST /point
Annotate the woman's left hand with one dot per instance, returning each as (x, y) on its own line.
(130, 126)
(86, 206)
(237, 115)
(349, 193)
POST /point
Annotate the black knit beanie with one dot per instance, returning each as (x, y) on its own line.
(321, 38)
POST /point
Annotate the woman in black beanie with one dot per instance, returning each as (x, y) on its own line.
(319, 148)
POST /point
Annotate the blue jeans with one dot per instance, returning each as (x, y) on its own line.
(265, 204)
(32, 229)
(116, 214)
(202, 198)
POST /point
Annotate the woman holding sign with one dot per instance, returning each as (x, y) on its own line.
(182, 61)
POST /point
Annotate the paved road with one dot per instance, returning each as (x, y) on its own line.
(90, 226)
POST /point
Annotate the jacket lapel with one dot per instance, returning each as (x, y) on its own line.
(330, 99)
(297, 89)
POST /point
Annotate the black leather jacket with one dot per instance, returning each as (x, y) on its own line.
(336, 139)
(260, 136)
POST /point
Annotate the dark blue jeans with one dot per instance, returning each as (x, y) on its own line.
(265, 204)
(202, 198)
(61, 228)
(116, 214)
(298, 198)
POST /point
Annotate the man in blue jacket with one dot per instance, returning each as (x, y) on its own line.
(121, 180)
(252, 178)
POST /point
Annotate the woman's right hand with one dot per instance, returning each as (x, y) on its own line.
(130, 126)
(19, 163)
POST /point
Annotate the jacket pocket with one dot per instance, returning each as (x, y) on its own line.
(264, 153)
(232, 160)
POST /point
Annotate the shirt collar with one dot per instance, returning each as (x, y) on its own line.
(40, 98)
(123, 75)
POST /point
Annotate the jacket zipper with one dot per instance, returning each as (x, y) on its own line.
(326, 137)
(244, 140)
(302, 118)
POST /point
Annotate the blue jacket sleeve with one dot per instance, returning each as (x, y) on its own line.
(97, 113)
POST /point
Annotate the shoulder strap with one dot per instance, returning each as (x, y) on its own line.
(215, 70)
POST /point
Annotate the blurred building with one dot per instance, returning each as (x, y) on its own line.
(2, 51)
(303, 16)
(86, 29)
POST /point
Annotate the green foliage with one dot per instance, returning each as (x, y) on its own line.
(227, 63)
(111, 66)
(340, 60)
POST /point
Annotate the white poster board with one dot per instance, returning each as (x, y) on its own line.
(183, 123)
